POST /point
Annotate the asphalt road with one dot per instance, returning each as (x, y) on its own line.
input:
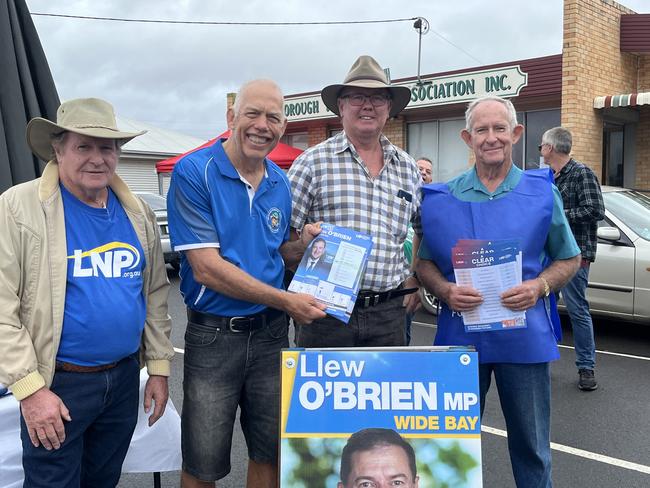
(601, 438)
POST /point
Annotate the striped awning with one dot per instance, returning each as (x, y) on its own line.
(627, 100)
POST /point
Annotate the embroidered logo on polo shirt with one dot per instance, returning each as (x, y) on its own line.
(111, 260)
(273, 219)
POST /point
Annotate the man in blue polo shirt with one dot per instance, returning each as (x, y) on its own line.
(229, 210)
(496, 200)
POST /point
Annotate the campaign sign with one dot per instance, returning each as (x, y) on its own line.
(332, 267)
(424, 398)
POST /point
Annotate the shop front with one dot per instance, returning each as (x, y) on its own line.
(596, 88)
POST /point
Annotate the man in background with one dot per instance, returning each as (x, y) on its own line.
(583, 207)
(412, 242)
(425, 167)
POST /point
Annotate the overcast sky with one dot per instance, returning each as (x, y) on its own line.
(177, 76)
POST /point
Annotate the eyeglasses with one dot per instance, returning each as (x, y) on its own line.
(542, 145)
(358, 99)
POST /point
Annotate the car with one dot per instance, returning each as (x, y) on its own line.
(158, 204)
(429, 301)
(619, 279)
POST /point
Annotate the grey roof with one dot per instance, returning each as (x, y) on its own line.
(156, 140)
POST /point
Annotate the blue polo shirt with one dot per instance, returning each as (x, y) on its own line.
(210, 205)
(467, 187)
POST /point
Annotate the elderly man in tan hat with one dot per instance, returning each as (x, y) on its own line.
(359, 180)
(83, 291)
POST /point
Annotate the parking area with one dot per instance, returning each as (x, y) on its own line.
(601, 438)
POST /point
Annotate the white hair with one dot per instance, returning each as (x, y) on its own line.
(242, 89)
(510, 108)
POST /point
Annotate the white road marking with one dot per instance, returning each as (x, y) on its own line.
(425, 324)
(609, 353)
(620, 463)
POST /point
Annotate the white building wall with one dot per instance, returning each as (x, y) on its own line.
(139, 175)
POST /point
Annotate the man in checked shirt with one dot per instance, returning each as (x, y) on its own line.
(359, 180)
(583, 207)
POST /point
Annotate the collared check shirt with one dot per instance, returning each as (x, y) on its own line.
(583, 204)
(330, 183)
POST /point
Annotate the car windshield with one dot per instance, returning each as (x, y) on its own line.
(156, 202)
(633, 208)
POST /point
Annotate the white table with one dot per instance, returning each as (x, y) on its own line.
(153, 449)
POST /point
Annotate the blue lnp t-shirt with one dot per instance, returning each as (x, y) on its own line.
(104, 305)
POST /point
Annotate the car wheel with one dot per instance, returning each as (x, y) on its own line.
(429, 301)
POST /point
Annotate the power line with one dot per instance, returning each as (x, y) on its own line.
(207, 22)
(457, 47)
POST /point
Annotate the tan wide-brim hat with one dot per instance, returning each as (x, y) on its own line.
(87, 116)
(366, 73)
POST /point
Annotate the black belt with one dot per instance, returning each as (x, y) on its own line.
(369, 298)
(246, 323)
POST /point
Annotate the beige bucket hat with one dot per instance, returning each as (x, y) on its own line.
(367, 73)
(87, 116)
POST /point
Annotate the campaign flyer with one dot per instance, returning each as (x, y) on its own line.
(491, 267)
(332, 267)
(427, 398)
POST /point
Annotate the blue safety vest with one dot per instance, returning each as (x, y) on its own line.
(524, 213)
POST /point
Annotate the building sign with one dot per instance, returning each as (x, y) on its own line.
(306, 108)
(463, 87)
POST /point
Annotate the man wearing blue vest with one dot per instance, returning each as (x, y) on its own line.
(83, 289)
(229, 209)
(496, 200)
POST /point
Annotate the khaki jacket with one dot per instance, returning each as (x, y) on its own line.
(33, 268)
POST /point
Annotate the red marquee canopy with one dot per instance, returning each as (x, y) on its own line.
(282, 155)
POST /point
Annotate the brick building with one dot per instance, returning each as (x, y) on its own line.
(598, 87)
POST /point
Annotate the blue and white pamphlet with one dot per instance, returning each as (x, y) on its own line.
(427, 395)
(332, 267)
(491, 267)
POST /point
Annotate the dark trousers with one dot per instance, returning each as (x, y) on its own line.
(224, 370)
(381, 325)
(104, 411)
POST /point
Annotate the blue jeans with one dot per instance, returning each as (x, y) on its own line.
(574, 294)
(104, 411)
(525, 396)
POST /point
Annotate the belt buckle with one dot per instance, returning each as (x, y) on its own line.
(370, 300)
(231, 323)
